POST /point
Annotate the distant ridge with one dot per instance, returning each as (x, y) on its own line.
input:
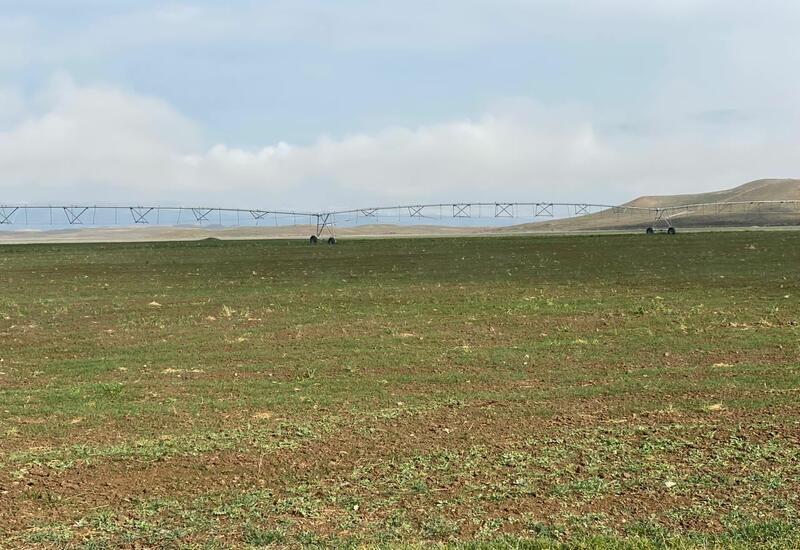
(758, 190)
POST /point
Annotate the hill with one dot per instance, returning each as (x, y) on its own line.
(759, 190)
(694, 215)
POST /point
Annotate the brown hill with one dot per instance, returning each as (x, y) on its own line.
(759, 190)
(694, 215)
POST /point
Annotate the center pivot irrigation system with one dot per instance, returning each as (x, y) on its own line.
(323, 224)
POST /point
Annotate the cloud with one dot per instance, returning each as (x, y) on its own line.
(90, 141)
(493, 155)
(12, 105)
(97, 143)
(90, 144)
(98, 29)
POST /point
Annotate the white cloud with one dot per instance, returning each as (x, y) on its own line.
(12, 106)
(417, 25)
(91, 144)
(691, 95)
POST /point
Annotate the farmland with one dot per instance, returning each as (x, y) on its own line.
(606, 391)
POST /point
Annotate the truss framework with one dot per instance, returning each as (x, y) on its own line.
(75, 214)
(7, 213)
(325, 222)
(201, 214)
(139, 214)
(415, 211)
(462, 210)
(258, 215)
(504, 210)
(581, 209)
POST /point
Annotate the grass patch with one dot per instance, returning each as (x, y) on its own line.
(517, 392)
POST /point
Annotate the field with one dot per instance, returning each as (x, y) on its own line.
(611, 391)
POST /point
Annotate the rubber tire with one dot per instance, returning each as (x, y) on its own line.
(313, 239)
(332, 240)
(671, 230)
(650, 231)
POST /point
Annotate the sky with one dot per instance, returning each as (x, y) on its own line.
(313, 104)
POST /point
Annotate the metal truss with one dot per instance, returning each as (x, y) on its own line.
(415, 211)
(139, 214)
(462, 210)
(201, 214)
(663, 216)
(325, 222)
(7, 213)
(75, 214)
(504, 210)
(581, 209)
(258, 215)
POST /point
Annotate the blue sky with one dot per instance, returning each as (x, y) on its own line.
(314, 104)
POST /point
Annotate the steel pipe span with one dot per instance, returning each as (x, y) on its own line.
(111, 215)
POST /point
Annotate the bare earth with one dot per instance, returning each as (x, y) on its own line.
(191, 233)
